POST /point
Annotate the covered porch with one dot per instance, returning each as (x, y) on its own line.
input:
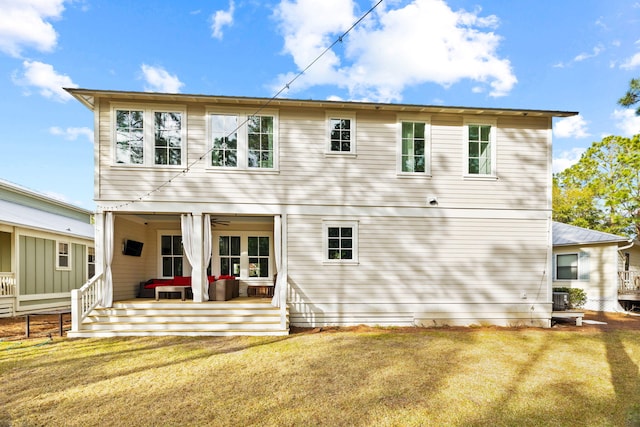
(183, 249)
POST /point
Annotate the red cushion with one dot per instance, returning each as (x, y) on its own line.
(182, 281)
(158, 282)
(211, 279)
(226, 277)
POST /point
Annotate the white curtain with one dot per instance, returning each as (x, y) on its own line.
(207, 247)
(107, 283)
(277, 245)
(188, 244)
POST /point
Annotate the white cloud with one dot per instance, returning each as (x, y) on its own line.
(424, 41)
(45, 79)
(597, 50)
(159, 80)
(631, 63)
(72, 133)
(24, 23)
(566, 159)
(571, 127)
(222, 18)
(627, 121)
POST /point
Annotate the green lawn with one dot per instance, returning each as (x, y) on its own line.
(380, 377)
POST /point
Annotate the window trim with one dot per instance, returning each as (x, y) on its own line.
(479, 121)
(243, 138)
(68, 255)
(341, 223)
(583, 272)
(148, 132)
(414, 118)
(244, 253)
(340, 115)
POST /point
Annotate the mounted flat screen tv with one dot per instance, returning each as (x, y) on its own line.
(132, 248)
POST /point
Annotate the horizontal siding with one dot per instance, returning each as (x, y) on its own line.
(409, 263)
(308, 176)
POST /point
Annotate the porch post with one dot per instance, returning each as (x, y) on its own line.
(99, 248)
(284, 282)
(197, 271)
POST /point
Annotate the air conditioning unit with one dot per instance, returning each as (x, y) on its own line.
(560, 301)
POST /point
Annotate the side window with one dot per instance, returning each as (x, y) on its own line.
(341, 134)
(573, 266)
(168, 138)
(480, 148)
(224, 135)
(340, 241)
(171, 255)
(258, 256)
(91, 262)
(261, 143)
(64, 256)
(129, 137)
(229, 251)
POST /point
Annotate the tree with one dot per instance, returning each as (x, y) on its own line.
(608, 174)
(632, 96)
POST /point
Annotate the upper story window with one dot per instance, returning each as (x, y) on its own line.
(414, 146)
(241, 140)
(341, 133)
(480, 148)
(145, 136)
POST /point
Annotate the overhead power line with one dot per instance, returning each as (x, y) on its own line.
(285, 87)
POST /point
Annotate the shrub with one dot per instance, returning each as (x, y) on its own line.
(577, 296)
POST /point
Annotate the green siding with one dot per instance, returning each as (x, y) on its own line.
(5, 252)
(38, 273)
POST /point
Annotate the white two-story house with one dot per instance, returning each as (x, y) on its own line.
(359, 212)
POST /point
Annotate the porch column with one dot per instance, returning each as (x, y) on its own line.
(192, 239)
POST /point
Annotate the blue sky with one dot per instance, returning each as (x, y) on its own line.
(570, 55)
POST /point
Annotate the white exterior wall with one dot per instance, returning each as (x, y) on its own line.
(602, 286)
(479, 256)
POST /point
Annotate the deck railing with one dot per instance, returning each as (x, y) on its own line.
(628, 281)
(7, 284)
(84, 300)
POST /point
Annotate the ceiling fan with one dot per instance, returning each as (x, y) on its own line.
(218, 221)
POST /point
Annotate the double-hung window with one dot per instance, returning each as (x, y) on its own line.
(91, 262)
(242, 140)
(572, 266)
(63, 260)
(341, 133)
(414, 145)
(340, 242)
(149, 136)
(480, 148)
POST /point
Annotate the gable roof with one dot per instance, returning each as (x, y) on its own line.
(24, 216)
(88, 97)
(565, 234)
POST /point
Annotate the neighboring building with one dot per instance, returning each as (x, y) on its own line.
(46, 250)
(599, 263)
(370, 213)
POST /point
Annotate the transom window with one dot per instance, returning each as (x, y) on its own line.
(480, 149)
(341, 241)
(149, 136)
(171, 253)
(243, 141)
